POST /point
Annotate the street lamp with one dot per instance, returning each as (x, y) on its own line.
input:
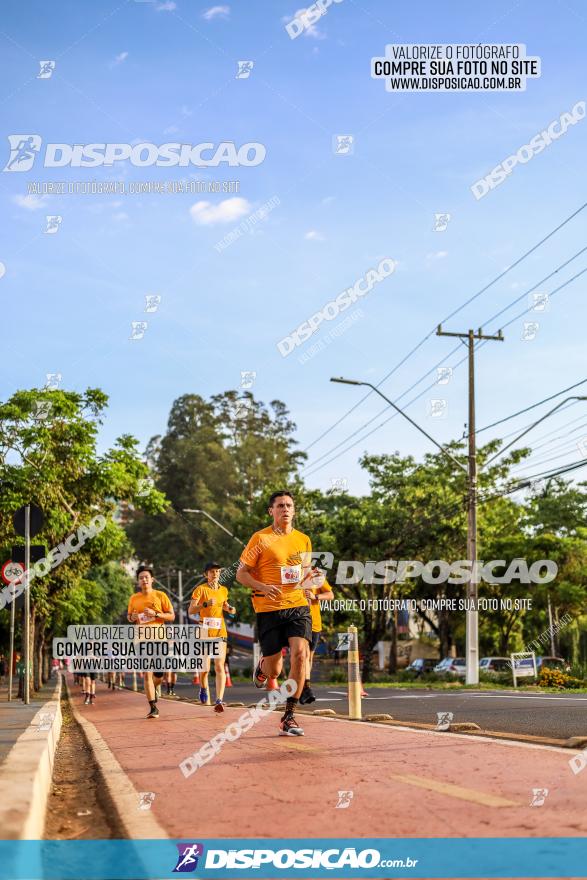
(215, 521)
(537, 422)
(472, 614)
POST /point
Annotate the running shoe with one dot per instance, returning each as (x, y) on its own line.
(289, 726)
(172, 693)
(259, 677)
(87, 700)
(219, 706)
(307, 695)
(203, 696)
(92, 699)
(154, 713)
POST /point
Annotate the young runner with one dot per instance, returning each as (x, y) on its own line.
(314, 595)
(210, 601)
(149, 608)
(89, 688)
(170, 680)
(274, 565)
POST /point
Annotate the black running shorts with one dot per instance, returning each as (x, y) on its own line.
(275, 628)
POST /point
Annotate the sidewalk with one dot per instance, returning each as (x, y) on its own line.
(28, 741)
(404, 782)
(15, 717)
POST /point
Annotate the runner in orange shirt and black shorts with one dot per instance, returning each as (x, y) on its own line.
(275, 565)
(150, 608)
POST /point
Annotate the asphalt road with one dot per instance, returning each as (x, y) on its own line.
(547, 715)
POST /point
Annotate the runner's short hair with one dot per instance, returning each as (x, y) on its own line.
(142, 568)
(278, 494)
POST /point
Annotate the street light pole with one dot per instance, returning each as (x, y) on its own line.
(215, 521)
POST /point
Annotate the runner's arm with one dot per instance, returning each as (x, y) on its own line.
(244, 577)
(230, 609)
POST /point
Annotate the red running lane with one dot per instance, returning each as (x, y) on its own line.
(405, 783)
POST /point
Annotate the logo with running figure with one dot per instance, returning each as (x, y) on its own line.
(187, 860)
(23, 151)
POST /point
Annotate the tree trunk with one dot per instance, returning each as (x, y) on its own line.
(393, 647)
(445, 634)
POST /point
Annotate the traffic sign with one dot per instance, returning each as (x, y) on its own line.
(12, 572)
(36, 553)
(36, 520)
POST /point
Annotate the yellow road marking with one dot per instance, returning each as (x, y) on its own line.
(301, 747)
(456, 791)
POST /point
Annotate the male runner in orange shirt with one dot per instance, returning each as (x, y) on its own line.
(150, 608)
(314, 594)
(274, 565)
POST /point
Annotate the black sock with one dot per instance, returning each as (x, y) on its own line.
(290, 705)
(152, 703)
(307, 684)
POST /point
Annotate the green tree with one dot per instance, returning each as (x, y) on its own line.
(48, 455)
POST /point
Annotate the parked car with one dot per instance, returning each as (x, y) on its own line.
(525, 663)
(452, 666)
(552, 663)
(495, 664)
(421, 665)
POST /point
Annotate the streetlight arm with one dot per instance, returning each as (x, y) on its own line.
(215, 521)
(406, 416)
(537, 422)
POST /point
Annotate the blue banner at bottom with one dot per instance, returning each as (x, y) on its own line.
(415, 858)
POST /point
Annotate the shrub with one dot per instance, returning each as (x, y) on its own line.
(556, 679)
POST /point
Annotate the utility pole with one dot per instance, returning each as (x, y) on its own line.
(472, 649)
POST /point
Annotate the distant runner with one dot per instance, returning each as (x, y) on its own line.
(210, 601)
(149, 608)
(314, 595)
(274, 565)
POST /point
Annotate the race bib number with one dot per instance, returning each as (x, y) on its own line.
(145, 618)
(291, 574)
(212, 622)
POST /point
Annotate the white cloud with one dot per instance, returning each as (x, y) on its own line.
(171, 129)
(185, 111)
(215, 11)
(120, 59)
(120, 216)
(328, 200)
(206, 214)
(309, 31)
(437, 255)
(167, 6)
(30, 202)
(313, 235)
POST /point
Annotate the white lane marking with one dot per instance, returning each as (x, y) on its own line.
(344, 693)
(328, 700)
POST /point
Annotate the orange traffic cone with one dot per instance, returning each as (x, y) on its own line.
(272, 684)
(228, 678)
(196, 678)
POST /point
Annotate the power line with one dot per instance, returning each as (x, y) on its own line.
(447, 318)
(312, 468)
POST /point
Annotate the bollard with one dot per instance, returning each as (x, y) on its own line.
(134, 681)
(354, 676)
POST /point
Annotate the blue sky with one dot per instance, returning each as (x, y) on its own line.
(128, 72)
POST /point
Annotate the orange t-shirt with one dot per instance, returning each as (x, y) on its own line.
(281, 560)
(156, 599)
(315, 607)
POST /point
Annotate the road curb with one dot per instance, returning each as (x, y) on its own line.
(27, 773)
(121, 794)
